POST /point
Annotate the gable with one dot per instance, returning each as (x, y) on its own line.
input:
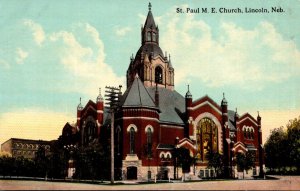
(247, 118)
(206, 101)
(186, 143)
(239, 146)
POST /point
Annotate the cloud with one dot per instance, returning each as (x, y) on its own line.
(37, 31)
(122, 31)
(32, 123)
(21, 56)
(85, 59)
(228, 54)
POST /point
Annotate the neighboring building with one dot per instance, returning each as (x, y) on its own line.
(24, 147)
(152, 113)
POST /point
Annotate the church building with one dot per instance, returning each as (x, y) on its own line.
(153, 122)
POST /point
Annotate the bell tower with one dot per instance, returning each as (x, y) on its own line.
(152, 66)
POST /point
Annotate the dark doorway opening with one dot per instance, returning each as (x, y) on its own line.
(131, 173)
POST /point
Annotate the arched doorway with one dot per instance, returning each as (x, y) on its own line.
(131, 173)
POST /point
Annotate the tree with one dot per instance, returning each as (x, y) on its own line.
(277, 150)
(245, 161)
(41, 162)
(215, 161)
(184, 160)
(293, 142)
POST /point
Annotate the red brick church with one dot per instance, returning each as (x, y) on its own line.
(153, 121)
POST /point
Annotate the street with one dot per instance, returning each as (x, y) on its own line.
(283, 183)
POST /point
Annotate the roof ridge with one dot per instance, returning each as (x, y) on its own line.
(139, 91)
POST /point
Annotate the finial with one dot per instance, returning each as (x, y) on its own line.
(223, 95)
(79, 107)
(188, 87)
(149, 6)
(236, 110)
(257, 113)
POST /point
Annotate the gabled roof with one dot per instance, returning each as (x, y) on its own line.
(204, 99)
(247, 116)
(231, 120)
(239, 146)
(137, 95)
(90, 104)
(186, 143)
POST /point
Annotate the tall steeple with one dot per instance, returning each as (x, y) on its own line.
(152, 66)
(150, 31)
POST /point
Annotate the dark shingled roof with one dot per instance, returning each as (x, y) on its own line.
(137, 95)
(149, 48)
(149, 23)
(165, 146)
(171, 105)
(231, 120)
(250, 147)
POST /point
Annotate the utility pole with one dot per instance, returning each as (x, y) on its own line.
(112, 96)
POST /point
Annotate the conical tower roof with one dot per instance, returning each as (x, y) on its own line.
(149, 23)
(137, 95)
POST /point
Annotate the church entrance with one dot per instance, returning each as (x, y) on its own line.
(131, 173)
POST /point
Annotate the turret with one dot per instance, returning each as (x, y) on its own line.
(188, 104)
(79, 109)
(100, 107)
(260, 147)
(224, 106)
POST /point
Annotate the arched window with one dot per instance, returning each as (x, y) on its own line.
(158, 75)
(148, 36)
(153, 37)
(248, 134)
(149, 136)
(245, 133)
(132, 145)
(252, 134)
(118, 139)
(149, 142)
(90, 131)
(207, 138)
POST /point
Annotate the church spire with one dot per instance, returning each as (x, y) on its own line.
(150, 30)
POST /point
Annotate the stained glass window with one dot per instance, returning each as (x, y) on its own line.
(207, 138)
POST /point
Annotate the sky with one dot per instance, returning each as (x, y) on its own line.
(54, 52)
